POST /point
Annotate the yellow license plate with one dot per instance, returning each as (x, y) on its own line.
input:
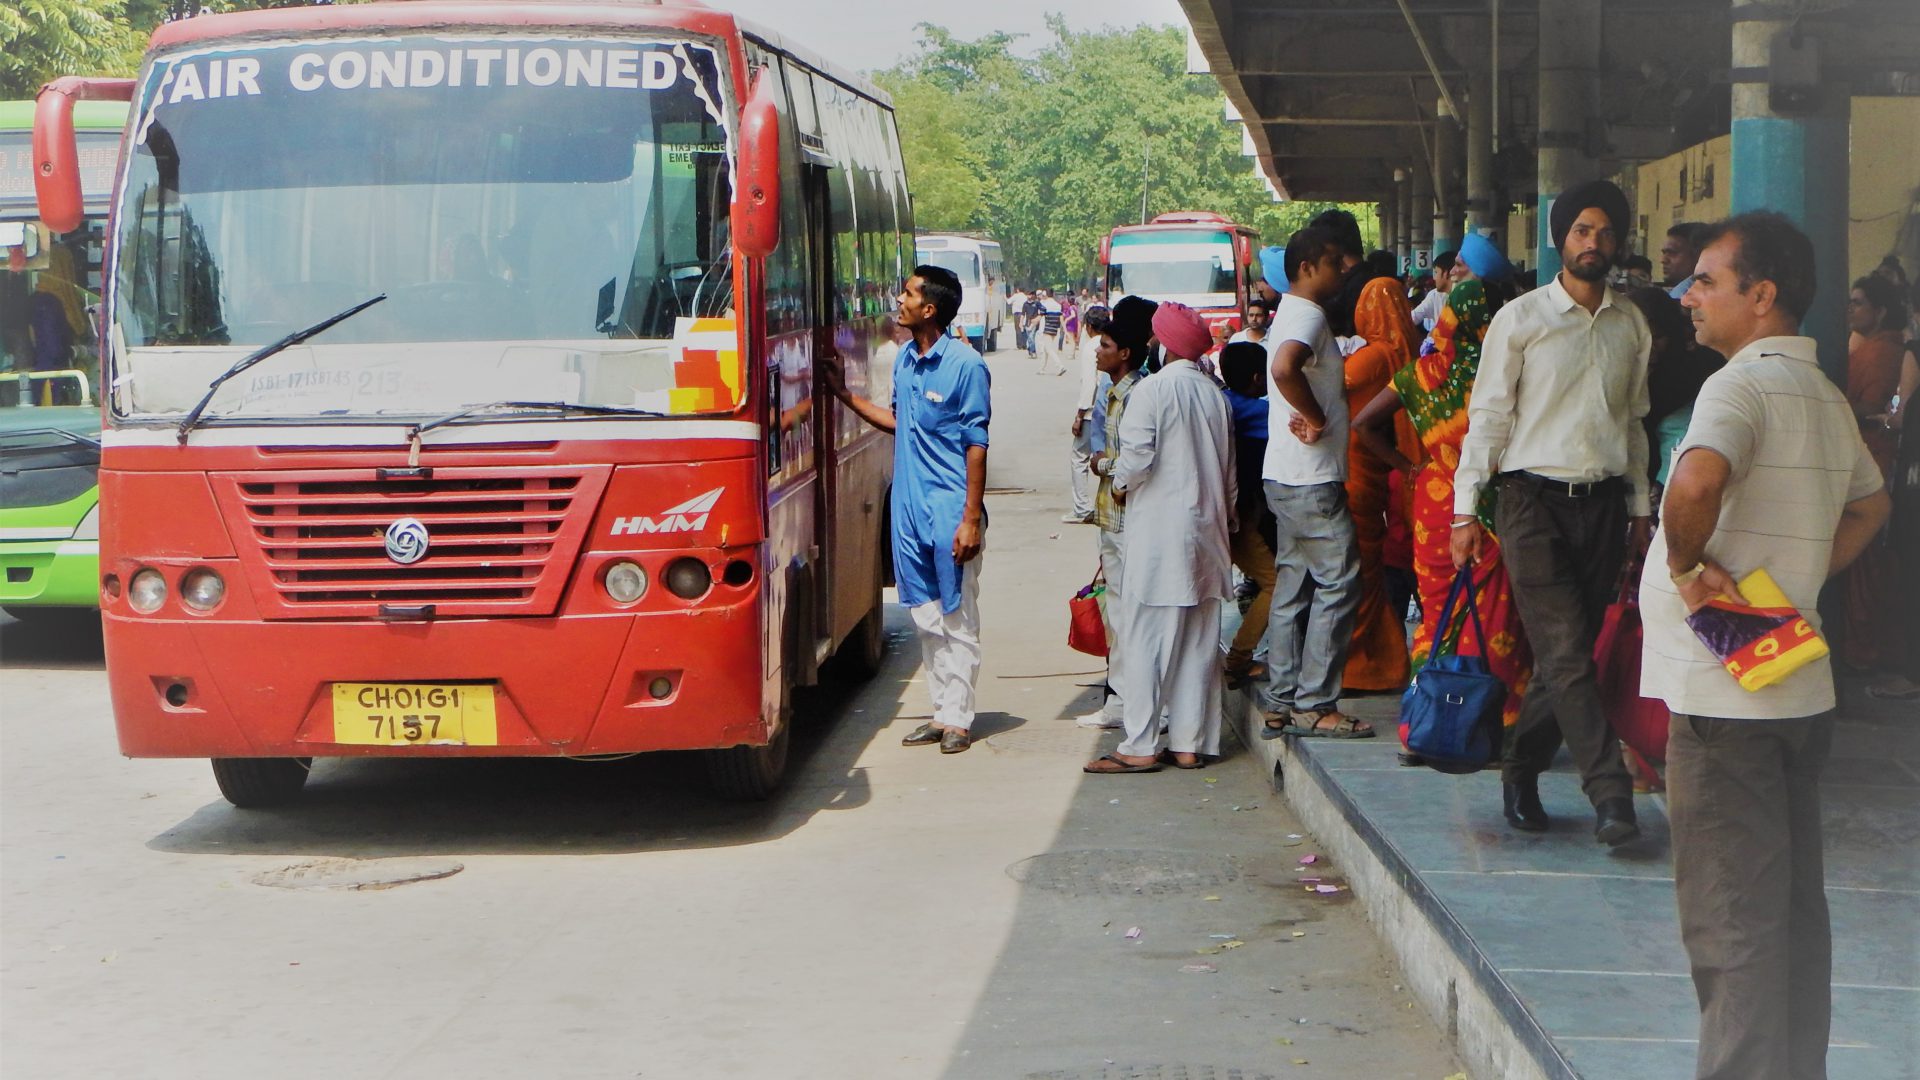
(414, 714)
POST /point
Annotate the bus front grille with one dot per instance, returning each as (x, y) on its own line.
(498, 541)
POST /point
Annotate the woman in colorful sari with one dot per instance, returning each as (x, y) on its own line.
(1377, 659)
(1434, 390)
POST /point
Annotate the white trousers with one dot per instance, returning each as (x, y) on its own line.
(1110, 564)
(1172, 666)
(1050, 353)
(1080, 465)
(950, 651)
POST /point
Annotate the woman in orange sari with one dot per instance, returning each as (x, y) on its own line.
(1377, 659)
(1434, 390)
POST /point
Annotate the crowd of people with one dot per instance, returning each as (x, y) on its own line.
(1355, 465)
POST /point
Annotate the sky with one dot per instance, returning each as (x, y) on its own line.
(868, 35)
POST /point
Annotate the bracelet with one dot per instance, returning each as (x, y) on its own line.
(1688, 577)
(1464, 522)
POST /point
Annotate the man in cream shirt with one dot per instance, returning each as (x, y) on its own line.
(1556, 419)
(1772, 475)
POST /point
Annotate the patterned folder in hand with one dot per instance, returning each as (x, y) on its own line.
(1762, 641)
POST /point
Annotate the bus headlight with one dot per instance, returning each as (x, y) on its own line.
(624, 581)
(147, 591)
(202, 590)
(89, 527)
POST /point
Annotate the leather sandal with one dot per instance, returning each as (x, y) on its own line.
(1109, 763)
(924, 735)
(1344, 727)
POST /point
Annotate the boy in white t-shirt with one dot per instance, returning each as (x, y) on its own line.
(1305, 476)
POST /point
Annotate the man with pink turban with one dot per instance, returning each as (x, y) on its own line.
(1175, 473)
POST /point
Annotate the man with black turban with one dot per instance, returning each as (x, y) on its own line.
(1554, 430)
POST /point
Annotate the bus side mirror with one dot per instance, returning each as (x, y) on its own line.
(56, 157)
(1242, 250)
(1106, 249)
(756, 206)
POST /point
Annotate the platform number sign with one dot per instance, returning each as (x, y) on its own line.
(1423, 260)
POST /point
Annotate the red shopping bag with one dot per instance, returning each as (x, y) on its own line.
(1640, 722)
(1086, 630)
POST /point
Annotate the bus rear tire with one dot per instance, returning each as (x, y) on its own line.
(993, 342)
(253, 783)
(750, 773)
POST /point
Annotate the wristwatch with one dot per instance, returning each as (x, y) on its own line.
(1688, 577)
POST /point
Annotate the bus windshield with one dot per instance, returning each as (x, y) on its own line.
(1195, 268)
(964, 264)
(544, 215)
(97, 152)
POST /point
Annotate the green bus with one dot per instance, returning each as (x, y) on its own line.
(49, 421)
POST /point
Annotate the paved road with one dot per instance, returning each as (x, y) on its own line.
(895, 914)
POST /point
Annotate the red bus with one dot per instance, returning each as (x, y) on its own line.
(1201, 259)
(459, 384)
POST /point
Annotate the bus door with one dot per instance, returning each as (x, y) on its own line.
(832, 337)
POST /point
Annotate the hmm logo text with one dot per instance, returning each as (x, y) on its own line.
(689, 516)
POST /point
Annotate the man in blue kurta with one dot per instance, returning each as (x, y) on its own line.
(940, 410)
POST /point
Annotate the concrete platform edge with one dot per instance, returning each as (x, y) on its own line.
(1446, 972)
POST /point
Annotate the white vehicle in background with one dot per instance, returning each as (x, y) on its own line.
(983, 283)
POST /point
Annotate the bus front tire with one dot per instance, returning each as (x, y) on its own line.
(252, 783)
(749, 773)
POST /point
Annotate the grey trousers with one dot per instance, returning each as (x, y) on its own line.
(1315, 545)
(1564, 557)
(1743, 797)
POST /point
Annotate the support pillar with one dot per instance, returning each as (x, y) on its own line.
(1484, 214)
(1422, 218)
(1569, 63)
(1403, 221)
(1796, 164)
(1446, 193)
(1388, 209)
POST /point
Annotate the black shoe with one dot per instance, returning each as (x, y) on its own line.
(1414, 761)
(924, 735)
(1523, 808)
(1614, 823)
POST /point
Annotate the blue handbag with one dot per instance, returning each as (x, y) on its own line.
(1450, 714)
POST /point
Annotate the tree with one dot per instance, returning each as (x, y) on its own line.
(1048, 153)
(41, 40)
(44, 39)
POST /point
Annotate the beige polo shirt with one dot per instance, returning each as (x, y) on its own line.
(1797, 460)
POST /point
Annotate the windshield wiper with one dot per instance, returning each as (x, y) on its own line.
(254, 357)
(561, 407)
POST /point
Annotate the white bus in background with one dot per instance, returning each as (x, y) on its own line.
(983, 283)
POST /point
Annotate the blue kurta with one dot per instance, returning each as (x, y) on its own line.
(942, 403)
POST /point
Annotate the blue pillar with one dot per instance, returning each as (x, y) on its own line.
(1798, 166)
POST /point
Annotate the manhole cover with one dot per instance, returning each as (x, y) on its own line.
(1125, 873)
(1153, 1072)
(357, 873)
(1060, 738)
